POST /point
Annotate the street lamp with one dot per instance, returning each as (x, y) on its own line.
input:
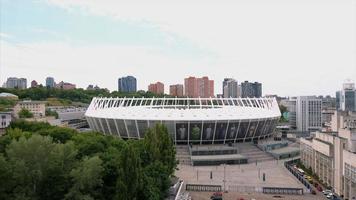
(224, 181)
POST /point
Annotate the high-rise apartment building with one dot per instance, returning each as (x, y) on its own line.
(198, 87)
(346, 98)
(176, 90)
(50, 82)
(127, 84)
(249, 89)
(157, 88)
(230, 88)
(13, 82)
(305, 113)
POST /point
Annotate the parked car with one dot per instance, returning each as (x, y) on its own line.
(326, 192)
(330, 196)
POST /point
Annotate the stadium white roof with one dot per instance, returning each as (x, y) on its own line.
(184, 109)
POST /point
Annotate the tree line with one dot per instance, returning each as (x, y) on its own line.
(74, 95)
(39, 161)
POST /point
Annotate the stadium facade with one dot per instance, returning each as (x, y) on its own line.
(189, 120)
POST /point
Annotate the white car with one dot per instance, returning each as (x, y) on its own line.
(326, 192)
(330, 195)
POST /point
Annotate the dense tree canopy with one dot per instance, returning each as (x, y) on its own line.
(39, 161)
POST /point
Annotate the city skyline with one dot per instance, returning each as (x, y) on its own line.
(95, 43)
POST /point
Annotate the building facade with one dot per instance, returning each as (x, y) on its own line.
(156, 88)
(198, 87)
(305, 113)
(13, 82)
(5, 119)
(34, 84)
(230, 88)
(188, 120)
(332, 156)
(249, 89)
(176, 90)
(50, 82)
(346, 98)
(127, 84)
(37, 108)
(65, 86)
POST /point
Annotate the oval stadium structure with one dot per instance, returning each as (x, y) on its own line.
(189, 120)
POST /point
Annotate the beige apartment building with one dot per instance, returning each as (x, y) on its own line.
(37, 108)
(332, 155)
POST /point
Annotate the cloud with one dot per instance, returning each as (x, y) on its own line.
(293, 47)
(100, 64)
(5, 36)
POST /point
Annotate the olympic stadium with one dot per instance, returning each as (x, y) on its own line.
(188, 120)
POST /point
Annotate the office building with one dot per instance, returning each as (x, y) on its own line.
(198, 87)
(34, 84)
(37, 108)
(332, 155)
(50, 82)
(65, 86)
(305, 113)
(176, 90)
(13, 82)
(249, 89)
(127, 84)
(346, 98)
(230, 88)
(156, 88)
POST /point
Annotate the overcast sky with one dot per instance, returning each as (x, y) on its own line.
(293, 47)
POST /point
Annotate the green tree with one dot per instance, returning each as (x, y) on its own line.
(87, 178)
(24, 113)
(29, 159)
(51, 113)
(57, 182)
(5, 177)
(39, 161)
(129, 174)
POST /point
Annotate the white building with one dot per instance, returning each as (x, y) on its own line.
(5, 119)
(230, 88)
(14, 82)
(305, 113)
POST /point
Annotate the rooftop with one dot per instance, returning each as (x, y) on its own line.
(5, 94)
